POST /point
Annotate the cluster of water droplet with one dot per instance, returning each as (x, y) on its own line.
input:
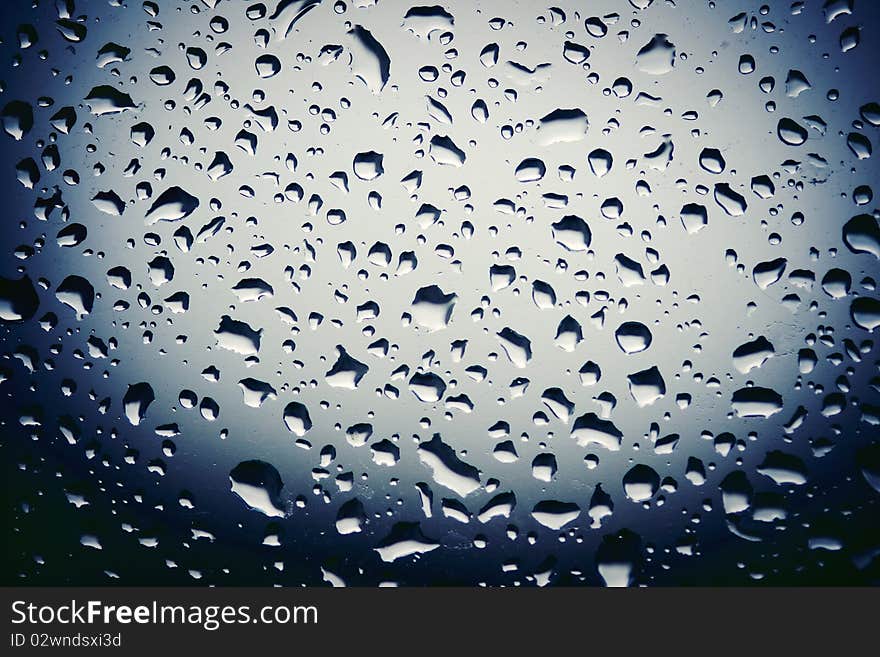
(315, 288)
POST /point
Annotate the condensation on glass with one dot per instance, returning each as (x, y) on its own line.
(366, 292)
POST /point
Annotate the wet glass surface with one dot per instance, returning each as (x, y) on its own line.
(366, 292)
